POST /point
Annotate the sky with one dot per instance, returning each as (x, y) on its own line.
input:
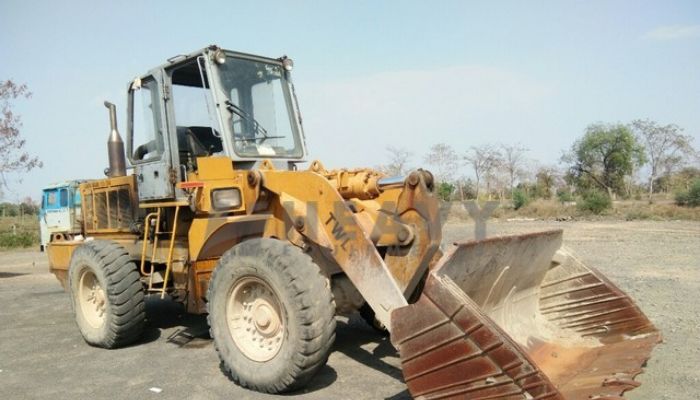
(368, 74)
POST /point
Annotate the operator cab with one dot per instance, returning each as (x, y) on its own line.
(211, 103)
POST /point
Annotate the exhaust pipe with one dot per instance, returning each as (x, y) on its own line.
(115, 146)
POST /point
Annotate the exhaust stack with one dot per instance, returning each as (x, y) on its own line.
(115, 146)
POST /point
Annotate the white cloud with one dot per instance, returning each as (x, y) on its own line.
(349, 122)
(672, 32)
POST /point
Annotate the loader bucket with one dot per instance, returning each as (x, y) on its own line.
(517, 317)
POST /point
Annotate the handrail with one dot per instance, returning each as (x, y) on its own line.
(145, 242)
(169, 261)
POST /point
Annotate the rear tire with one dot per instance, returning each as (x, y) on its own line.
(106, 294)
(271, 314)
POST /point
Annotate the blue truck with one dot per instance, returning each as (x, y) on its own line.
(60, 212)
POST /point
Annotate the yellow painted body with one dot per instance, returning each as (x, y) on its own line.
(346, 222)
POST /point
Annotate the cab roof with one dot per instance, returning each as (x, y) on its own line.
(64, 184)
(183, 58)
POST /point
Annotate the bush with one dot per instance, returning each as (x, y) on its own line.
(691, 197)
(445, 191)
(595, 202)
(564, 195)
(634, 215)
(21, 239)
(520, 199)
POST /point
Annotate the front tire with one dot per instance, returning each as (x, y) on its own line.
(106, 294)
(271, 314)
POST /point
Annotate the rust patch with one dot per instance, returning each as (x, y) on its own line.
(515, 318)
(450, 349)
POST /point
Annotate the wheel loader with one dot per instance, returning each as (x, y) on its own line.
(207, 204)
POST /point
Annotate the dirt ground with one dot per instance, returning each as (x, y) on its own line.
(42, 355)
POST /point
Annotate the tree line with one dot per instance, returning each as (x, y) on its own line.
(607, 160)
(25, 207)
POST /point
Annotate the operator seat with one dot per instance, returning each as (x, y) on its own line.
(197, 141)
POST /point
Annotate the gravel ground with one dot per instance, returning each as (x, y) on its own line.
(43, 356)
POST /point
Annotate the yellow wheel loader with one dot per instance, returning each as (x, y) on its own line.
(215, 213)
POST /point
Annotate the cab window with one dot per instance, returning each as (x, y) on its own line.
(196, 125)
(63, 198)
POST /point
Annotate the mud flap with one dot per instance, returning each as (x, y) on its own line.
(517, 317)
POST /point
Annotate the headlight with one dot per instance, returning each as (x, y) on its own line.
(224, 199)
(219, 56)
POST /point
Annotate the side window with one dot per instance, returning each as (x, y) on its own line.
(64, 198)
(190, 104)
(195, 121)
(147, 136)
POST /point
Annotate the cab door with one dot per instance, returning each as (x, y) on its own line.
(148, 146)
(56, 210)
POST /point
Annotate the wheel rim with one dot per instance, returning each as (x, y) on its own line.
(255, 319)
(92, 297)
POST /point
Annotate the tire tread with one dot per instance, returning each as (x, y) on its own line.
(124, 291)
(315, 306)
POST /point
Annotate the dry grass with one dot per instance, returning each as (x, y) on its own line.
(19, 231)
(543, 209)
(666, 211)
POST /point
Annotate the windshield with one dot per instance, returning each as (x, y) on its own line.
(260, 109)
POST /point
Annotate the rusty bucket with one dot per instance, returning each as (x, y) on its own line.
(519, 317)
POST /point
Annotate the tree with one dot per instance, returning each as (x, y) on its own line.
(497, 181)
(683, 179)
(665, 146)
(9, 209)
(444, 159)
(484, 160)
(445, 191)
(603, 157)
(512, 162)
(13, 158)
(28, 206)
(398, 161)
(545, 181)
(466, 187)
